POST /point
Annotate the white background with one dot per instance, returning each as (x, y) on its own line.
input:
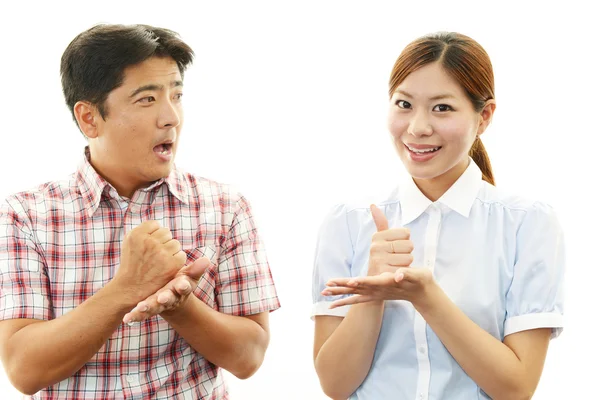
(288, 100)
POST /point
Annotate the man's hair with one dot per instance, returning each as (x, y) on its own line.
(94, 63)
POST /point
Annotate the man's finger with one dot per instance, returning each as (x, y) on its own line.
(196, 269)
(149, 227)
(166, 298)
(379, 217)
(182, 286)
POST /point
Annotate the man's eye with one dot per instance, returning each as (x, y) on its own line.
(402, 103)
(442, 108)
(146, 100)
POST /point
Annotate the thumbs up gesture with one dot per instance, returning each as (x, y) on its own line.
(390, 248)
(389, 276)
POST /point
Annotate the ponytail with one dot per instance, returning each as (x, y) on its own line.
(481, 158)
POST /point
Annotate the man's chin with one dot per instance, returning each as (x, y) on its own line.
(159, 173)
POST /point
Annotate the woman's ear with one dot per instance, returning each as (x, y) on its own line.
(485, 116)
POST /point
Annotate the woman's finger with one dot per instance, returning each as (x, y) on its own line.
(384, 279)
(395, 246)
(392, 234)
(351, 300)
(339, 290)
(337, 282)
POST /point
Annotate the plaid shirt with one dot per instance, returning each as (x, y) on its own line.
(61, 243)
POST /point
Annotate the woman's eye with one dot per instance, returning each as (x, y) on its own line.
(442, 108)
(402, 103)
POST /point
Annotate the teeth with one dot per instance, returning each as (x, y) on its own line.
(423, 151)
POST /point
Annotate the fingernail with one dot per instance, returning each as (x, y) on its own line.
(326, 293)
(130, 322)
(183, 286)
(144, 308)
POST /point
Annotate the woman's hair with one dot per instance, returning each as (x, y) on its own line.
(467, 62)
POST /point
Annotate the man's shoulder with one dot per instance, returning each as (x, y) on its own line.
(42, 194)
(200, 187)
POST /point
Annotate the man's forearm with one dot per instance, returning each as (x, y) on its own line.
(235, 343)
(42, 354)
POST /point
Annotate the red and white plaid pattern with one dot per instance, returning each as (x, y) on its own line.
(61, 243)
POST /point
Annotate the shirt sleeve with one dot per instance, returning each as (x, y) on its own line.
(536, 296)
(24, 283)
(244, 284)
(333, 259)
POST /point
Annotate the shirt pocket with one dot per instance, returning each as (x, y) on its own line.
(205, 290)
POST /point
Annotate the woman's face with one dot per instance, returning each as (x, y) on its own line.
(433, 124)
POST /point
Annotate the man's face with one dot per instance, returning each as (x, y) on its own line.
(137, 141)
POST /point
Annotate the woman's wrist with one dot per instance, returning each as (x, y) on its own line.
(429, 299)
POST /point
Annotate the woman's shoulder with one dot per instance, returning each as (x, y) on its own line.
(493, 196)
(520, 212)
(358, 207)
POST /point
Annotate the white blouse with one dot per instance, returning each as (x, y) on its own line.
(499, 258)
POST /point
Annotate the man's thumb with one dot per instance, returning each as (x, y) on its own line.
(196, 269)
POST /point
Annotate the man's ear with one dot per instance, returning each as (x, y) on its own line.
(485, 116)
(87, 116)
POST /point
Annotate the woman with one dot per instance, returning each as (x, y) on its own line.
(459, 297)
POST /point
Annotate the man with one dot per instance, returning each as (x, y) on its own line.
(131, 279)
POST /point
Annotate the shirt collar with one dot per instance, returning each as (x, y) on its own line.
(460, 197)
(92, 185)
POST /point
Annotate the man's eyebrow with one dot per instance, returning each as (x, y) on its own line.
(438, 97)
(154, 87)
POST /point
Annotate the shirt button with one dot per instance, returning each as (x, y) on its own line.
(130, 378)
(422, 350)
(421, 396)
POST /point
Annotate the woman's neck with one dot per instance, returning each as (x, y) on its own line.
(435, 188)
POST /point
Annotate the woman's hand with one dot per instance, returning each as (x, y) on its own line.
(389, 276)
(409, 284)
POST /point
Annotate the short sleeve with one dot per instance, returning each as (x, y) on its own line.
(333, 259)
(536, 296)
(24, 283)
(244, 284)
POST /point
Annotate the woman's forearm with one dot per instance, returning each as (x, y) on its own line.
(345, 358)
(490, 363)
